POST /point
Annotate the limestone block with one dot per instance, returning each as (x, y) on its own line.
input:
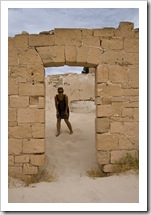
(67, 37)
(130, 104)
(18, 71)
(127, 112)
(109, 90)
(116, 127)
(94, 56)
(38, 130)
(116, 109)
(12, 124)
(105, 32)
(70, 55)
(116, 43)
(12, 86)
(118, 155)
(20, 131)
(131, 45)
(98, 101)
(21, 41)
(106, 142)
(14, 146)
(12, 115)
(10, 160)
(26, 115)
(29, 57)
(41, 102)
(136, 139)
(120, 118)
(133, 75)
(11, 43)
(22, 159)
(125, 29)
(36, 73)
(18, 164)
(120, 99)
(57, 55)
(13, 170)
(130, 92)
(118, 73)
(107, 100)
(45, 54)
(37, 160)
(12, 57)
(82, 54)
(87, 32)
(126, 85)
(102, 89)
(91, 41)
(29, 169)
(105, 43)
(102, 125)
(33, 101)
(19, 101)
(41, 40)
(111, 57)
(134, 98)
(103, 157)
(112, 43)
(115, 90)
(130, 58)
(108, 168)
(131, 129)
(34, 146)
(28, 89)
(101, 73)
(103, 110)
(127, 143)
(136, 114)
(136, 33)
(126, 25)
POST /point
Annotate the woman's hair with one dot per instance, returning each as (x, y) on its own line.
(60, 88)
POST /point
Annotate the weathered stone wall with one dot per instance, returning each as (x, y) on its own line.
(115, 55)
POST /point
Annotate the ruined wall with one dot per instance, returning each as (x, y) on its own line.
(115, 55)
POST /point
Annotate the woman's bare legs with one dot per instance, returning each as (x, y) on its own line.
(58, 127)
(69, 125)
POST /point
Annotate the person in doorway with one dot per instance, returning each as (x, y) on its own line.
(62, 110)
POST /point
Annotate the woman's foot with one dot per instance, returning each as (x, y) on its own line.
(57, 134)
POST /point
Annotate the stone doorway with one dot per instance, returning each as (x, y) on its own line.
(113, 52)
(68, 154)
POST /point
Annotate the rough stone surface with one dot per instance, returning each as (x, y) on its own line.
(33, 146)
(117, 155)
(113, 86)
(102, 125)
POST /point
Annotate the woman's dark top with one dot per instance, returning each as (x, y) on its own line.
(62, 108)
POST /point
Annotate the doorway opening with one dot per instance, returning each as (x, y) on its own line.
(75, 153)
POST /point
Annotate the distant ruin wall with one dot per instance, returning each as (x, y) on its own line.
(113, 52)
(79, 88)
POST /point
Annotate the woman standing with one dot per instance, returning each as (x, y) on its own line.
(62, 108)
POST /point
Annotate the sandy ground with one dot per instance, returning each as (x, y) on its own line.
(69, 157)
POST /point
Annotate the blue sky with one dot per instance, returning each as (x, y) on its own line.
(35, 20)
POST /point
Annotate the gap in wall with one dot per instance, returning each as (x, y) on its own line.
(67, 154)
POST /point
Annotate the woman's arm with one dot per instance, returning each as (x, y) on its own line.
(56, 105)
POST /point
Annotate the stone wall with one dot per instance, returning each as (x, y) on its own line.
(115, 55)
